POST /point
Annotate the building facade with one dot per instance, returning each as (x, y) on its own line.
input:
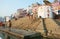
(45, 11)
(22, 12)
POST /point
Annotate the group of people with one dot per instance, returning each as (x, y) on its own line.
(44, 11)
(31, 13)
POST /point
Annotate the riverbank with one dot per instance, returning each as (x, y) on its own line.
(17, 34)
(37, 26)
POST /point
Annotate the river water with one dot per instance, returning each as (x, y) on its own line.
(3, 36)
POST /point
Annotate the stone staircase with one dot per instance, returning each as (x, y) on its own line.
(52, 26)
(26, 24)
(36, 25)
(40, 27)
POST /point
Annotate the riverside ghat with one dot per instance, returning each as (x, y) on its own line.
(42, 26)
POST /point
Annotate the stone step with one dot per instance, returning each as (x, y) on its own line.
(40, 27)
(52, 27)
(50, 24)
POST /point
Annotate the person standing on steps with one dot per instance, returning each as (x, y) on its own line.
(9, 25)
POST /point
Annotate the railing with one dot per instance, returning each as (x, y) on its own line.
(9, 34)
(19, 34)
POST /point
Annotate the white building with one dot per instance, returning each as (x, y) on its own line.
(7, 18)
(45, 11)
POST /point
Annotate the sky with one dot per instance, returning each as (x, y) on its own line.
(8, 7)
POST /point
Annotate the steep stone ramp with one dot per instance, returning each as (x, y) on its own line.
(40, 27)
